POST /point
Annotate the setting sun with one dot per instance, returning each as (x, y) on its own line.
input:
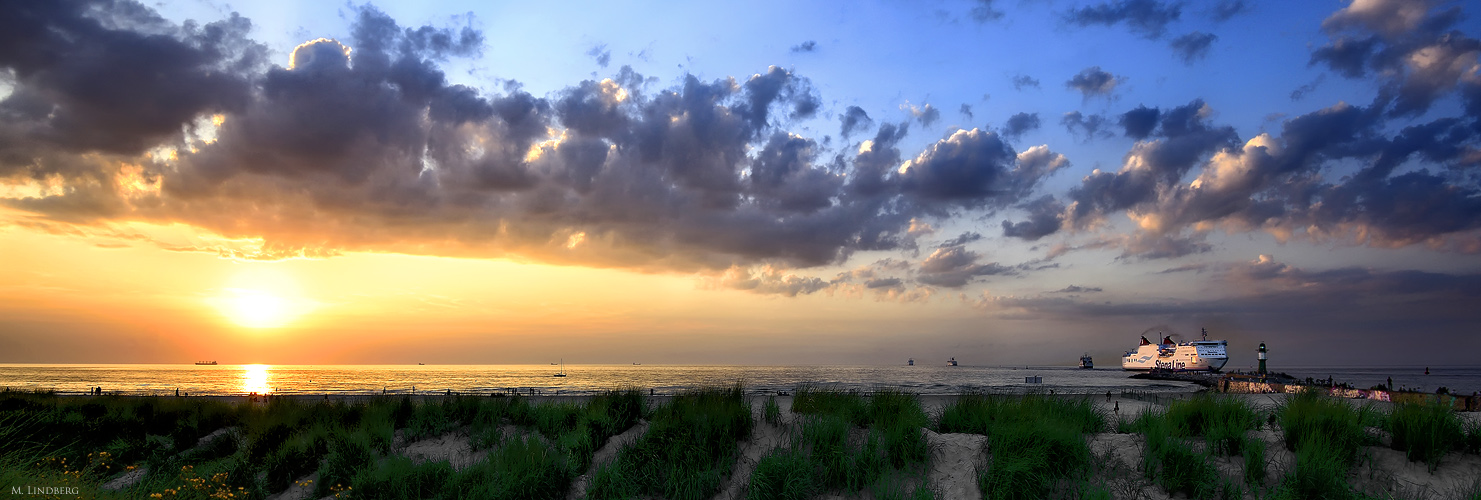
(256, 309)
(261, 297)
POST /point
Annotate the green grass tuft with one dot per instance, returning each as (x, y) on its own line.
(1426, 432)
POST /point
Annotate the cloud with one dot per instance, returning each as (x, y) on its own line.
(962, 239)
(975, 169)
(966, 109)
(1148, 18)
(1079, 289)
(1045, 218)
(1021, 82)
(1308, 88)
(1092, 82)
(81, 85)
(808, 46)
(983, 11)
(1139, 122)
(1193, 46)
(600, 54)
(768, 280)
(1228, 9)
(1020, 123)
(1388, 17)
(1090, 127)
(364, 145)
(1409, 48)
(954, 267)
(926, 115)
(853, 120)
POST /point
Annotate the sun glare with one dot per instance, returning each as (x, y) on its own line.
(261, 298)
(254, 379)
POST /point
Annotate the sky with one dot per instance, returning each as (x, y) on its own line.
(1009, 183)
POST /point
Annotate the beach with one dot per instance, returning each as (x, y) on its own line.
(925, 447)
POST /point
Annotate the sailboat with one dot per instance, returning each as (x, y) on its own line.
(563, 369)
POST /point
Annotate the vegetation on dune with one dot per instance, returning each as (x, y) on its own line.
(688, 451)
(1328, 436)
(1426, 432)
(263, 449)
(848, 442)
(1037, 444)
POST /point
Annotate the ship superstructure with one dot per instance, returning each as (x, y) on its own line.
(1199, 355)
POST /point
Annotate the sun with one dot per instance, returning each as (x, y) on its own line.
(257, 309)
(261, 298)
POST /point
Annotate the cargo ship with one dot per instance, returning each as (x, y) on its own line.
(1201, 355)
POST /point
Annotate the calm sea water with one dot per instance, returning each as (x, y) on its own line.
(588, 379)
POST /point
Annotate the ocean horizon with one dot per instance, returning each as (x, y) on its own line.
(586, 379)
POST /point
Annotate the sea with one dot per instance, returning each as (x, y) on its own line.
(231, 380)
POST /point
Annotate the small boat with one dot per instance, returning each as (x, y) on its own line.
(563, 369)
(206, 363)
(421, 364)
(1085, 362)
(951, 362)
(637, 364)
(910, 362)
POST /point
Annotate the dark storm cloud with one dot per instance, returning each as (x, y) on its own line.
(114, 77)
(1139, 122)
(1410, 48)
(1020, 123)
(1193, 46)
(854, 119)
(1044, 218)
(1089, 127)
(1148, 18)
(983, 11)
(954, 267)
(1021, 82)
(1092, 82)
(1227, 9)
(808, 46)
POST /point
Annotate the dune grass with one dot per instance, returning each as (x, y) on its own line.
(1328, 436)
(265, 447)
(1037, 444)
(688, 451)
(1426, 432)
(850, 442)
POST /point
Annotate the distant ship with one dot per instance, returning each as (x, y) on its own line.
(1085, 362)
(206, 363)
(951, 362)
(563, 369)
(910, 362)
(1202, 355)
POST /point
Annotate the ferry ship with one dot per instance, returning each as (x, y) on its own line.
(951, 362)
(205, 363)
(1201, 355)
(1086, 362)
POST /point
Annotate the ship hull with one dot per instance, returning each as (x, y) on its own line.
(1207, 355)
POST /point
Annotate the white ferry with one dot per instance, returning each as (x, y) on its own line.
(1202, 355)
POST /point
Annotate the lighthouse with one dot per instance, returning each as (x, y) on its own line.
(1262, 358)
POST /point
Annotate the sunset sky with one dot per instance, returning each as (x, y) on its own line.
(1007, 182)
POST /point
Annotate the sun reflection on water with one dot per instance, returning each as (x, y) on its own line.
(254, 379)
